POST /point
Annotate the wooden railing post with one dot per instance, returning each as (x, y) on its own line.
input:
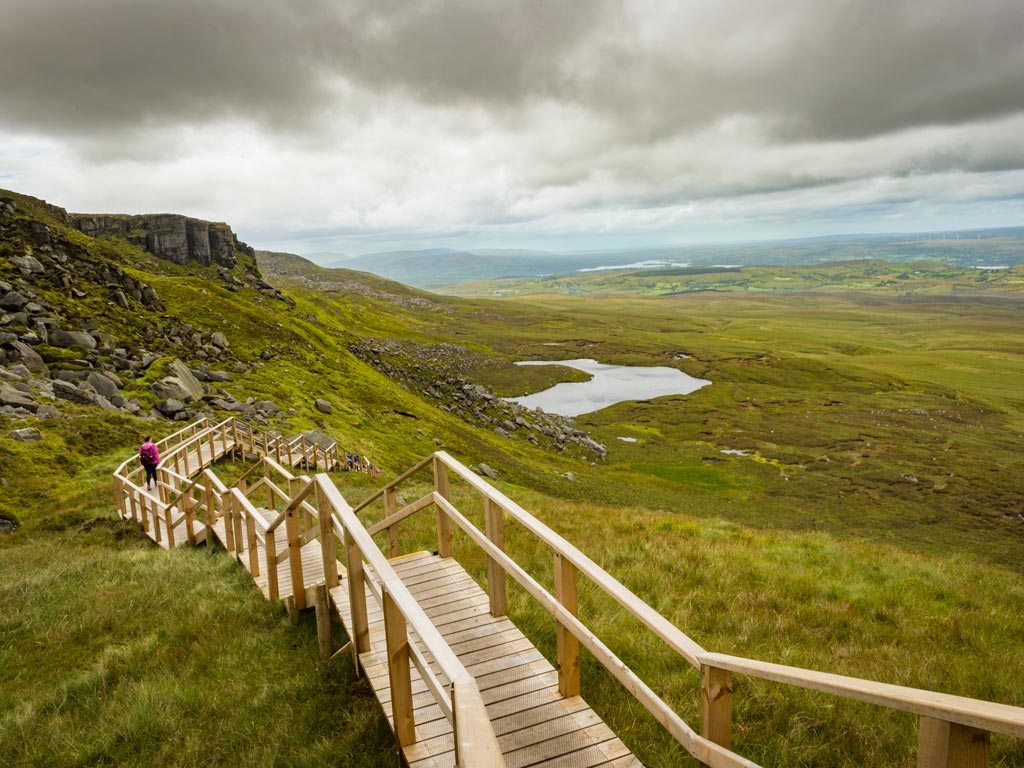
(270, 551)
(390, 507)
(444, 525)
(294, 488)
(357, 597)
(188, 506)
(254, 555)
(237, 518)
(568, 645)
(322, 604)
(494, 527)
(228, 505)
(271, 499)
(941, 744)
(294, 533)
(154, 511)
(716, 705)
(327, 538)
(169, 522)
(211, 512)
(399, 676)
(234, 432)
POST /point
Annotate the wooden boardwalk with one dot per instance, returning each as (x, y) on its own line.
(458, 682)
(535, 726)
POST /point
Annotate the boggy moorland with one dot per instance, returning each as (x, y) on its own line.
(872, 528)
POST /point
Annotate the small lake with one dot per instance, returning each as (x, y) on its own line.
(610, 384)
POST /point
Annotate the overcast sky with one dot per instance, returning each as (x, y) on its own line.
(350, 126)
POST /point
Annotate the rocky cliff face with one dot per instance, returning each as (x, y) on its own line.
(169, 236)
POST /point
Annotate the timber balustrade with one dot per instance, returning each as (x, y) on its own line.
(248, 516)
(953, 732)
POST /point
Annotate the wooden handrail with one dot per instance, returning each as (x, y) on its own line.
(251, 511)
(953, 732)
(401, 478)
(704, 750)
(299, 498)
(676, 639)
(473, 731)
(986, 715)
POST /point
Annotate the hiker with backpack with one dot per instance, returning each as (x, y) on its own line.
(149, 458)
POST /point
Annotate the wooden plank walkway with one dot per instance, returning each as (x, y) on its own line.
(535, 726)
(312, 561)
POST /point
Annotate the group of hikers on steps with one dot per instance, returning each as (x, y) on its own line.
(149, 458)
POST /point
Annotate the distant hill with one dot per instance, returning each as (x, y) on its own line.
(436, 267)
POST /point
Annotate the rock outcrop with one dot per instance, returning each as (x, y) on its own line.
(175, 238)
(438, 372)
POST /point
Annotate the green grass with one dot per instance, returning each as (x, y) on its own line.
(873, 529)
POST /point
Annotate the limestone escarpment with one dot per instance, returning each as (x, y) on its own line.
(172, 237)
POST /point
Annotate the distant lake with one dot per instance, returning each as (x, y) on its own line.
(610, 384)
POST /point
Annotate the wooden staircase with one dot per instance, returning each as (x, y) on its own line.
(457, 680)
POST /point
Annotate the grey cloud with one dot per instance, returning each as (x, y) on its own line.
(808, 68)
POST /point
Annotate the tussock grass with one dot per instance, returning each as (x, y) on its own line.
(809, 599)
(117, 653)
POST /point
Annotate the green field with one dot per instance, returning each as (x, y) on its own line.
(875, 527)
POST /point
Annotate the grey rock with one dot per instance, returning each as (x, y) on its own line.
(26, 435)
(62, 338)
(180, 385)
(570, 477)
(218, 339)
(13, 301)
(16, 399)
(65, 390)
(27, 264)
(102, 384)
(30, 358)
(501, 432)
(220, 376)
(170, 407)
(324, 407)
(229, 405)
(20, 371)
(508, 426)
(267, 408)
(48, 412)
(486, 471)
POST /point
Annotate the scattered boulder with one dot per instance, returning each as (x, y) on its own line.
(48, 412)
(30, 358)
(16, 399)
(180, 385)
(26, 435)
(324, 407)
(170, 407)
(62, 338)
(13, 301)
(103, 385)
(65, 390)
(266, 408)
(29, 265)
(486, 471)
(218, 339)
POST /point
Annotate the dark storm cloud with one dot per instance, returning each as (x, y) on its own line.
(830, 68)
(72, 67)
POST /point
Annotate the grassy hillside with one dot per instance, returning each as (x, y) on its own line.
(873, 528)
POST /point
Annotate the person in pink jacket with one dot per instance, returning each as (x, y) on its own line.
(149, 458)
